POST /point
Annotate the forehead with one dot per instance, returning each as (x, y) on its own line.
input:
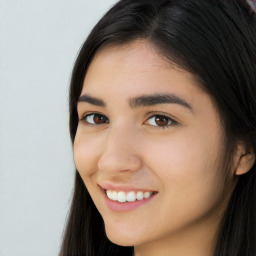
(134, 52)
(139, 53)
(137, 63)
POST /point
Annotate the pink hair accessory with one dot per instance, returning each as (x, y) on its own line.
(252, 4)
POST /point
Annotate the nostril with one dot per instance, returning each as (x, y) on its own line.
(119, 162)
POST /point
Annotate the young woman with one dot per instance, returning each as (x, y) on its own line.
(163, 123)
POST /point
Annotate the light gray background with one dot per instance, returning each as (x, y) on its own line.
(39, 41)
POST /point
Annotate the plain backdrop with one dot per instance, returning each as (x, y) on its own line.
(39, 41)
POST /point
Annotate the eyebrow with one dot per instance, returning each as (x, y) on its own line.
(141, 101)
(92, 100)
(150, 100)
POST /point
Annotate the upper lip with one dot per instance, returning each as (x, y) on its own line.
(124, 188)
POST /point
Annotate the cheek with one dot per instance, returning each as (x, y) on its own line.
(189, 171)
(86, 149)
(187, 164)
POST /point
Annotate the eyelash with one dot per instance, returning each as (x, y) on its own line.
(92, 114)
(171, 122)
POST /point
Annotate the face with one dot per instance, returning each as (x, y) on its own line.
(151, 139)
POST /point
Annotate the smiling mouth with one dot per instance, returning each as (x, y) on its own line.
(131, 196)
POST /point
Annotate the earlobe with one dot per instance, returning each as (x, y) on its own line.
(244, 159)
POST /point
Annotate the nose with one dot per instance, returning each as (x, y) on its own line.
(119, 153)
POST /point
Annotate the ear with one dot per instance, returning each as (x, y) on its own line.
(244, 159)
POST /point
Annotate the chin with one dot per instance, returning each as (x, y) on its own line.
(120, 242)
(120, 239)
(122, 236)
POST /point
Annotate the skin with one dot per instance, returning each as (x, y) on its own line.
(181, 161)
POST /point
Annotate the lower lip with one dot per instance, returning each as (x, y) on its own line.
(127, 206)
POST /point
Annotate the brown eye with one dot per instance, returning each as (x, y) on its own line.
(159, 120)
(96, 119)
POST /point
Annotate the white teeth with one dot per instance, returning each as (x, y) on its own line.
(147, 194)
(109, 194)
(114, 196)
(121, 197)
(131, 196)
(127, 197)
(139, 196)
